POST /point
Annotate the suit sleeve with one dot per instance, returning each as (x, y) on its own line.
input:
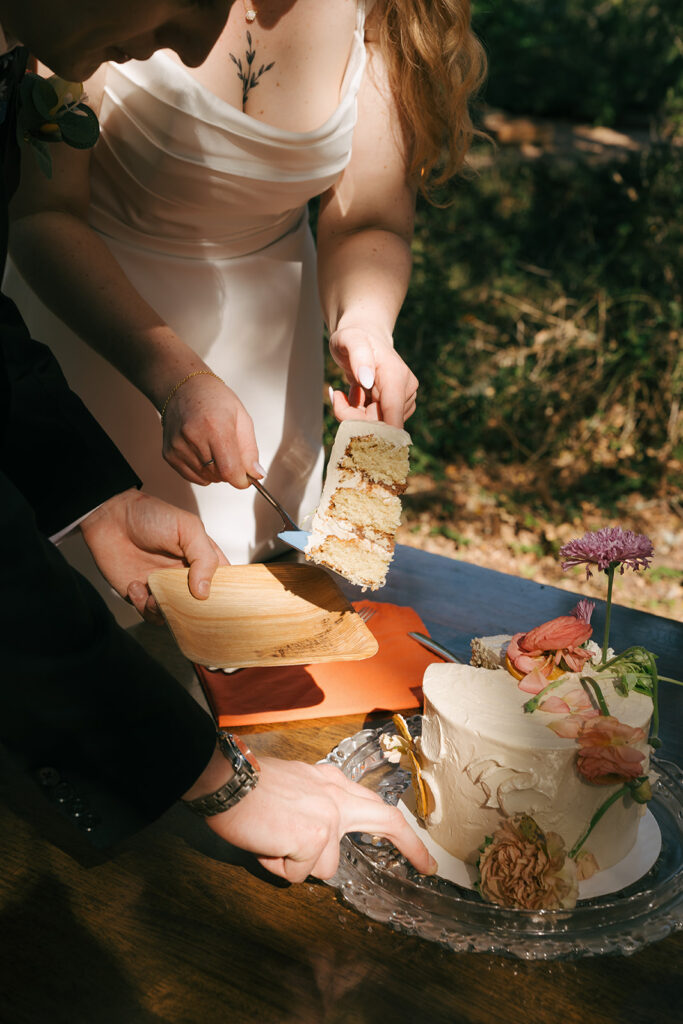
(80, 701)
(103, 727)
(52, 449)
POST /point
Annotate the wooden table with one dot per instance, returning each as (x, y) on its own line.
(174, 928)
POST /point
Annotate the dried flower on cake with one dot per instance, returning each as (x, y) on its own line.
(575, 704)
(548, 651)
(607, 753)
(586, 865)
(607, 549)
(406, 746)
(393, 746)
(583, 610)
(523, 867)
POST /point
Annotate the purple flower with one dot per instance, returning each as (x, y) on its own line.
(610, 546)
(583, 610)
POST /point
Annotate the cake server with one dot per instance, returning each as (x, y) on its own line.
(291, 534)
(432, 645)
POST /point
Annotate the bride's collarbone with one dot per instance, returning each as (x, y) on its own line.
(285, 76)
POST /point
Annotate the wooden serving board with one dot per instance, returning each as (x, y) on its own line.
(279, 614)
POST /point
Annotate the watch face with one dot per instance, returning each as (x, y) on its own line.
(244, 749)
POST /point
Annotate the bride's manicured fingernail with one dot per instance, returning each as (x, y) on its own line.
(366, 377)
(258, 469)
(330, 392)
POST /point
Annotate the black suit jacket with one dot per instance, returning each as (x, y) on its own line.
(108, 735)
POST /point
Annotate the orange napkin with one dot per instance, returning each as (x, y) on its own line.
(389, 681)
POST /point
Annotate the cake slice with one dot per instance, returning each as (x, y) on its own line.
(354, 528)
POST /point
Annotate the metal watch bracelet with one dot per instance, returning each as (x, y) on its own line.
(246, 769)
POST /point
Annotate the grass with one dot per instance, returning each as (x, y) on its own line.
(544, 321)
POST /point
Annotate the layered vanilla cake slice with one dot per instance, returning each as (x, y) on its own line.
(354, 528)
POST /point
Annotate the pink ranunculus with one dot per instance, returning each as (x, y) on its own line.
(568, 728)
(523, 867)
(607, 752)
(523, 662)
(579, 701)
(580, 712)
(575, 659)
(564, 631)
(554, 706)
(533, 682)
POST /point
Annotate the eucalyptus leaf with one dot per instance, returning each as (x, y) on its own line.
(43, 97)
(78, 130)
(42, 119)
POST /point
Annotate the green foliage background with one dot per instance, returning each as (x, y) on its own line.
(544, 317)
(606, 61)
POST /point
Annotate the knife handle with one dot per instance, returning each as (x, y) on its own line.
(432, 645)
(287, 521)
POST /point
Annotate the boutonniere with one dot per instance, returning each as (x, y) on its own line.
(51, 110)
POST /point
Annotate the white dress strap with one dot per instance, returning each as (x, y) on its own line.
(363, 8)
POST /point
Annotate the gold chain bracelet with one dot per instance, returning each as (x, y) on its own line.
(195, 373)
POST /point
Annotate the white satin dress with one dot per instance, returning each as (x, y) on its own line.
(205, 208)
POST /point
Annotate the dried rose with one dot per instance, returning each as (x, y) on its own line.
(523, 867)
(586, 865)
(548, 651)
(607, 753)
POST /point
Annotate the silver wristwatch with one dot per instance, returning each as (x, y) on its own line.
(246, 769)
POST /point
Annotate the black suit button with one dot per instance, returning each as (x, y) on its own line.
(48, 777)
(63, 793)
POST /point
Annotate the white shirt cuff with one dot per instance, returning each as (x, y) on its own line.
(56, 538)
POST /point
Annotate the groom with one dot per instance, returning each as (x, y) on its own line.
(101, 727)
(77, 696)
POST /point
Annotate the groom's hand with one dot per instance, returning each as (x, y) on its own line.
(134, 533)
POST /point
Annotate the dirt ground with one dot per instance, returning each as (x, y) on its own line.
(467, 515)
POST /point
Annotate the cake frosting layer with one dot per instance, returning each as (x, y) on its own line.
(484, 759)
(354, 528)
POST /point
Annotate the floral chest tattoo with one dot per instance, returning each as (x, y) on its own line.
(247, 72)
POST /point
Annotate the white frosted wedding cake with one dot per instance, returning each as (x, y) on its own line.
(484, 760)
(533, 762)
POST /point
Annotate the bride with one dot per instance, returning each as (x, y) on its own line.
(179, 249)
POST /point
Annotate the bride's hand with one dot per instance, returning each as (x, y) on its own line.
(381, 385)
(209, 435)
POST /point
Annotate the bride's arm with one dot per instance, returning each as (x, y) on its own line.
(365, 228)
(74, 273)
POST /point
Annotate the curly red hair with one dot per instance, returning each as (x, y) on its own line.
(435, 64)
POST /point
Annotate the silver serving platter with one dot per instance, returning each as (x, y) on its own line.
(377, 881)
